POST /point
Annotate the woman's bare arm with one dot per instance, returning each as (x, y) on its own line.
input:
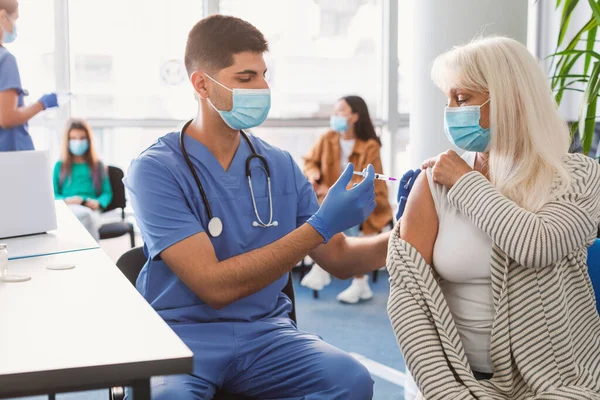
(419, 223)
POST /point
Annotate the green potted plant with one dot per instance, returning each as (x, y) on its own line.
(566, 72)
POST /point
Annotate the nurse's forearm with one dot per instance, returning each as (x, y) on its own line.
(346, 257)
(220, 283)
(19, 116)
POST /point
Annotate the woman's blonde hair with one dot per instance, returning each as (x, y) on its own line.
(529, 138)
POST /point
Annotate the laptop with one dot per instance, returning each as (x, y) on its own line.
(26, 194)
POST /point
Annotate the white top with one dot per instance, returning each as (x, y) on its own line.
(70, 236)
(346, 146)
(81, 326)
(461, 257)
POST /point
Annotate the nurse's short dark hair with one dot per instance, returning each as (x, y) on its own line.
(214, 40)
(10, 6)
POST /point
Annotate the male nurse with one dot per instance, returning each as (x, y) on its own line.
(220, 246)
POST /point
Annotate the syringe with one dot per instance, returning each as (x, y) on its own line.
(381, 177)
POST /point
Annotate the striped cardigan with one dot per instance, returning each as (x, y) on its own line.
(546, 333)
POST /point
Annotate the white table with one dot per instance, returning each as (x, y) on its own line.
(80, 329)
(69, 236)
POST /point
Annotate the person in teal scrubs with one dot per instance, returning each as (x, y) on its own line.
(14, 114)
(80, 178)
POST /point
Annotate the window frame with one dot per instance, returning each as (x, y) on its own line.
(390, 124)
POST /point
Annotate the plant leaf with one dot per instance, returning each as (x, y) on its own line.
(575, 52)
(561, 82)
(565, 19)
(587, 112)
(569, 76)
(571, 83)
(589, 124)
(595, 9)
(572, 45)
(591, 41)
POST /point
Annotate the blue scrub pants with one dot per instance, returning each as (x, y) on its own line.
(265, 359)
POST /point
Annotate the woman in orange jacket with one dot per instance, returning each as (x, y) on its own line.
(352, 138)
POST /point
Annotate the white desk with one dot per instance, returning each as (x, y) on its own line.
(70, 236)
(81, 329)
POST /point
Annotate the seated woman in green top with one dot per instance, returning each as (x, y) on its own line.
(80, 179)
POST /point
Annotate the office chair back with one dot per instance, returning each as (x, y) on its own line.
(115, 175)
(594, 269)
(132, 262)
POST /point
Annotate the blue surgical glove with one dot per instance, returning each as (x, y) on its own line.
(343, 209)
(49, 100)
(406, 183)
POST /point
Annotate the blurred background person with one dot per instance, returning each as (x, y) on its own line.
(80, 178)
(351, 139)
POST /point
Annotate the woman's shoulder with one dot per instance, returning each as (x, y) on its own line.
(575, 161)
(583, 170)
(372, 144)
(581, 166)
(329, 135)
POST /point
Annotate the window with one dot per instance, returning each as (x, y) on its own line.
(34, 49)
(405, 52)
(127, 58)
(320, 50)
(118, 146)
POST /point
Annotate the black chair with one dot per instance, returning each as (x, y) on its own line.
(120, 228)
(132, 262)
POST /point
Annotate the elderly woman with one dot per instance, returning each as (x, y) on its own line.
(490, 296)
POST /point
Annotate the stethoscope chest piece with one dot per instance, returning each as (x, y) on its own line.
(215, 227)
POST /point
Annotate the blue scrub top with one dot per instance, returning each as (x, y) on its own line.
(169, 208)
(16, 138)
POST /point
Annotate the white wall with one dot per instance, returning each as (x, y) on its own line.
(440, 25)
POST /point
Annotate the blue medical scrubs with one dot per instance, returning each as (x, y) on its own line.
(16, 138)
(251, 346)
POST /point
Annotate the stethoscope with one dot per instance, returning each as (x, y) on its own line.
(215, 225)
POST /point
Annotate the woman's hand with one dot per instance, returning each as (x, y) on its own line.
(314, 177)
(74, 200)
(321, 190)
(447, 168)
(93, 204)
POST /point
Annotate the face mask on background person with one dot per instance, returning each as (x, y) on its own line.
(78, 146)
(338, 123)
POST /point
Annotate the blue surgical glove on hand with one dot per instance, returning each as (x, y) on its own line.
(343, 209)
(49, 100)
(406, 183)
